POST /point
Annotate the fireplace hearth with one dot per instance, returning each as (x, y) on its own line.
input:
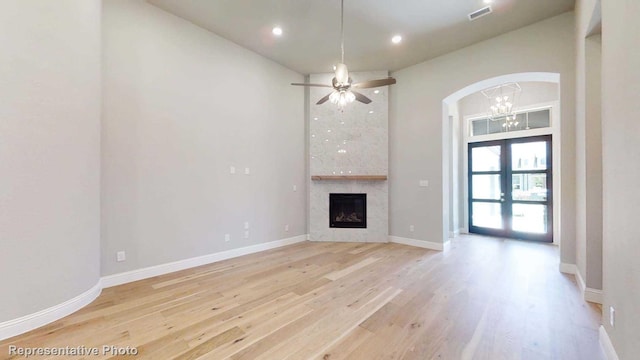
(348, 211)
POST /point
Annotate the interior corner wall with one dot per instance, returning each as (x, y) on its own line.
(588, 147)
(416, 121)
(181, 106)
(49, 153)
(593, 163)
(621, 173)
(455, 158)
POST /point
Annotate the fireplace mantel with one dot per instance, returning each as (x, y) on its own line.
(349, 177)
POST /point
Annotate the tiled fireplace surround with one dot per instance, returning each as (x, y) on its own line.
(349, 142)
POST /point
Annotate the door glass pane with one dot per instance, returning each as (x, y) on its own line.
(529, 156)
(488, 215)
(486, 158)
(529, 218)
(531, 187)
(486, 187)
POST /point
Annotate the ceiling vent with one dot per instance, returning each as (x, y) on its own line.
(480, 13)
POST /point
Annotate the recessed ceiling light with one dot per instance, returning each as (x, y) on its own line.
(488, 1)
(370, 111)
(396, 39)
(376, 91)
(277, 31)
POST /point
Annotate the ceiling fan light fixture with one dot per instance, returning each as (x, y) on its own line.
(397, 39)
(342, 98)
(277, 31)
(342, 83)
(342, 74)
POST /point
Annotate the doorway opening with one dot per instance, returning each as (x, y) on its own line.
(467, 121)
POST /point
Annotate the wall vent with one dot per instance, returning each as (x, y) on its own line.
(480, 13)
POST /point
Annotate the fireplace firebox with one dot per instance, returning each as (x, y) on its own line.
(348, 211)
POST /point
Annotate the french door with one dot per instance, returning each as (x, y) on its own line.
(510, 188)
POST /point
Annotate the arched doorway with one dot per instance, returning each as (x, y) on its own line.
(456, 202)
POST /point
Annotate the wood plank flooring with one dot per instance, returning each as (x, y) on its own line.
(483, 299)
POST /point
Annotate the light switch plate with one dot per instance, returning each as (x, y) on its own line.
(612, 316)
(247, 171)
(424, 183)
(232, 170)
(121, 256)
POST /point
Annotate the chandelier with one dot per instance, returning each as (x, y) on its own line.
(502, 100)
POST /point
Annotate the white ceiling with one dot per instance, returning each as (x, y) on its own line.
(311, 39)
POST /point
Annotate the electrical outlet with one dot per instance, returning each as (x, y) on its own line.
(121, 256)
(286, 227)
(295, 188)
(424, 183)
(227, 237)
(612, 316)
(246, 225)
(247, 171)
(411, 228)
(246, 234)
(232, 170)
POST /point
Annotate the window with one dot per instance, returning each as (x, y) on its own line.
(534, 119)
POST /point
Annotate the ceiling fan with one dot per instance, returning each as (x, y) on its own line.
(342, 84)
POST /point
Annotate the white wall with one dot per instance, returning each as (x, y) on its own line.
(621, 173)
(416, 124)
(182, 105)
(49, 153)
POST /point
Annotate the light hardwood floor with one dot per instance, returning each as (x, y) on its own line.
(485, 298)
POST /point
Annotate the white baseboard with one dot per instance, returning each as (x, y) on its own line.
(144, 273)
(420, 243)
(593, 295)
(455, 233)
(581, 284)
(43, 317)
(570, 269)
(588, 294)
(607, 346)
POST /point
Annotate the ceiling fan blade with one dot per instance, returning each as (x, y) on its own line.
(374, 83)
(316, 85)
(363, 99)
(324, 99)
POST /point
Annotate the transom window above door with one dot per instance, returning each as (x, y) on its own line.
(527, 120)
